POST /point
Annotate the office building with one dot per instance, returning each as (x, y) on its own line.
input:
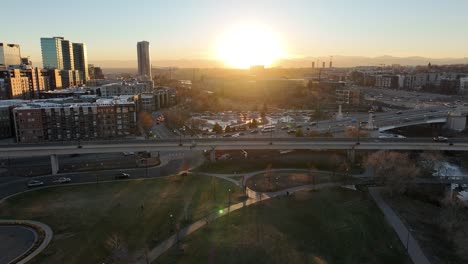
(81, 60)
(9, 55)
(63, 55)
(68, 55)
(52, 55)
(463, 87)
(144, 60)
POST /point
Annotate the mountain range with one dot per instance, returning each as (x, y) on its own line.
(338, 61)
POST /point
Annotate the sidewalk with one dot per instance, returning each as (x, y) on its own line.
(414, 250)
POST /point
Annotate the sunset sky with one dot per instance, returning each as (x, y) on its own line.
(191, 29)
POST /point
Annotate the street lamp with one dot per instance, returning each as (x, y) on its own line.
(358, 133)
(180, 138)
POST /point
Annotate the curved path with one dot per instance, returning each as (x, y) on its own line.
(25, 238)
(254, 197)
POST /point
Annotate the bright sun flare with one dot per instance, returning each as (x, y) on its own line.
(248, 45)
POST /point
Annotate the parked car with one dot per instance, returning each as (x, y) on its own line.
(254, 132)
(63, 180)
(122, 175)
(440, 139)
(292, 131)
(129, 153)
(35, 183)
(399, 112)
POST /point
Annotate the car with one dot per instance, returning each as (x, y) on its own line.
(440, 139)
(406, 120)
(432, 110)
(254, 132)
(236, 135)
(292, 131)
(63, 180)
(129, 153)
(313, 123)
(241, 133)
(227, 135)
(298, 126)
(35, 183)
(399, 113)
(122, 175)
(284, 128)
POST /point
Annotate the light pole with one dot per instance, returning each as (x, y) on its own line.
(146, 163)
(358, 133)
(180, 138)
(271, 136)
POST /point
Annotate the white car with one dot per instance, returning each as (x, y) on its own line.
(63, 180)
(129, 153)
(34, 183)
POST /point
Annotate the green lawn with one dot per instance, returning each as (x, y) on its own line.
(328, 226)
(85, 218)
(243, 166)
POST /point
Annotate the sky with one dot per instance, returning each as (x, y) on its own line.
(189, 29)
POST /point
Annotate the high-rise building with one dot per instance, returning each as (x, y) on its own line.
(52, 55)
(61, 54)
(81, 60)
(144, 60)
(9, 55)
(68, 55)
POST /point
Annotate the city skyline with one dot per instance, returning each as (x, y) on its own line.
(190, 30)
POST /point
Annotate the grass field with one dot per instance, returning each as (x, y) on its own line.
(328, 226)
(425, 221)
(89, 220)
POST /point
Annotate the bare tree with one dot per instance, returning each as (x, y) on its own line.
(118, 248)
(430, 159)
(395, 170)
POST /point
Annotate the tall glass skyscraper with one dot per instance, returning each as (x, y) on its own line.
(67, 54)
(63, 55)
(144, 60)
(52, 55)
(81, 60)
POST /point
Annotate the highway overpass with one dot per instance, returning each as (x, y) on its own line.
(350, 144)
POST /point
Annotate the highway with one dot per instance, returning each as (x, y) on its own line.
(31, 150)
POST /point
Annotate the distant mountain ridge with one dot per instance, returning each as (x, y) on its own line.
(338, 61)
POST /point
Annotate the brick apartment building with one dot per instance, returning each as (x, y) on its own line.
(42, 122)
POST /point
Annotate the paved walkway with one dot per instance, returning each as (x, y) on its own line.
(48, 234)
(414, 250)
(254, 197)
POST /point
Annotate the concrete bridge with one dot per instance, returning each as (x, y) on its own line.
(349, 144)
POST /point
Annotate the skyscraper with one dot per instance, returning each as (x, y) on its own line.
(9, 55)
(52, 55)
(61, 54)
(144, 60)
(81, 60)
(67, 54)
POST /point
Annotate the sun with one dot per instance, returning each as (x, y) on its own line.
(247, 45)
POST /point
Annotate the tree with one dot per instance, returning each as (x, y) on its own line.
(353, 132)
(217, 129)
(394, 169)
(430, 161)
(253, 123)
(145, 120)
(227, 129)
(299, 133)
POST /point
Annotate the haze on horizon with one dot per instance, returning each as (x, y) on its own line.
(190, 30)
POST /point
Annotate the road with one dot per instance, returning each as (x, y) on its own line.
(235, 144)
(171, 163)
